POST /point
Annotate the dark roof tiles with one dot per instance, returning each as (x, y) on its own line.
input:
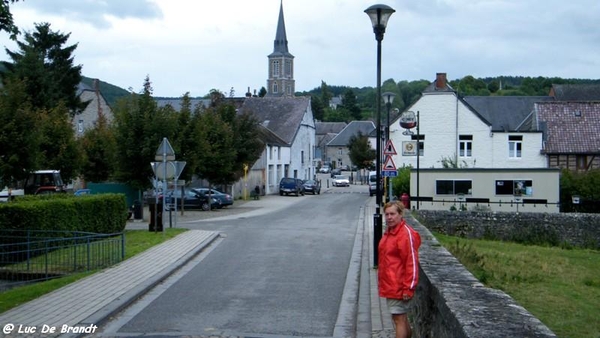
(569, 127)
(281, 115)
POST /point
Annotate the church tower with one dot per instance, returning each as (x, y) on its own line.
(281, 64)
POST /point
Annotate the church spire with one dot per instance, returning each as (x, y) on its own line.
(280, 45)
(281, 63)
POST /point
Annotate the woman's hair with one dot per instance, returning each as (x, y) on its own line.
(398, 204)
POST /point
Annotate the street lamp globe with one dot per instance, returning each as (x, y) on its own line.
(379, 15)
(388, 97)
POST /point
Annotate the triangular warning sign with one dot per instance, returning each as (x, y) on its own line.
(389, 164)
(389, 148)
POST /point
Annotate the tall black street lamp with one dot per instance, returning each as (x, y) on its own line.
(379, 15)
(388, 98)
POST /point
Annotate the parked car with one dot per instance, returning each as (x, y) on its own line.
(325, 169)
(336, 171)
(226, 199)
(191, 200)
(372, 183)
(312, 186)
(341, 181)
(345, 167)
(289, 185)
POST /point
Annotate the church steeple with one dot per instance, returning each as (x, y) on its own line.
(281, 63)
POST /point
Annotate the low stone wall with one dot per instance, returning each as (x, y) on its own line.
(574, 229)
(452, 303)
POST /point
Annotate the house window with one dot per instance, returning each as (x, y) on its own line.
(581, 162)
(515, 143)
(302, 154)
(453, 187)
(514, 187)
(340, 151)
(421, 139)
(465, 145)
(80, 126)
(279, 153)
(275, 68)
(270, 153)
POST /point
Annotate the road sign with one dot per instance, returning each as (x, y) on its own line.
(389, 173)
(165, 152)
(389, 164)
(389, 148)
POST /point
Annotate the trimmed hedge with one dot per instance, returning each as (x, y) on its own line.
(102, 213)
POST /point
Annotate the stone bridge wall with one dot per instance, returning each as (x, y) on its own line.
(572, 229)
(452, 303)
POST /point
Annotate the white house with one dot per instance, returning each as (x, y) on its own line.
(97, 106)
(290, 140)
(473, 132)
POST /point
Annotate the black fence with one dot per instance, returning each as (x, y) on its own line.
(469, 202)
(32, 255)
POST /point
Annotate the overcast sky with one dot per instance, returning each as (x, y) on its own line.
(195, 46)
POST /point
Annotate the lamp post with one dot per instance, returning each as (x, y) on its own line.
(388, 98)
(379, 15)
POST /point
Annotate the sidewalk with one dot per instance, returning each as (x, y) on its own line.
(93, 300)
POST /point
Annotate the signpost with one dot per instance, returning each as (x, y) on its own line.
(166, 168)
(389, 167)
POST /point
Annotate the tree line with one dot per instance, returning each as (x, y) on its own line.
(361, 103)
(38, 102)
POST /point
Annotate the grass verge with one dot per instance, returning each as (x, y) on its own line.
(136, 241)
(561, 287)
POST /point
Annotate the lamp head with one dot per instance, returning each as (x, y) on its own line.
(388, 97)
(379, 15)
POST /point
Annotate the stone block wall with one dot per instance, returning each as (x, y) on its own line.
(573, 229)
(452, 303)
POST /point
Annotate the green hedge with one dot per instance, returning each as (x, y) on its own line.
(103, 213)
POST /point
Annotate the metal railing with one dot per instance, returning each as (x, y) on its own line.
(37, 255)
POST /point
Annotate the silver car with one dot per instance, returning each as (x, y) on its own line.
(341, 181)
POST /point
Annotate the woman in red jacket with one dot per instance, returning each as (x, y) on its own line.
(398, 266)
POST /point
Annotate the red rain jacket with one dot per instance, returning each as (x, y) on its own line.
(398, 266)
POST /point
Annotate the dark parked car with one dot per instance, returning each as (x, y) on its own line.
(336, 171)
(226, 199)
(191, 200)
(312, 186)
(289, 185)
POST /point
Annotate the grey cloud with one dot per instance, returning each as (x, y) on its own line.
(95, 12)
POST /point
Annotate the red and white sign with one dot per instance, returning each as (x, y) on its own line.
(389, 164)
(389, 148)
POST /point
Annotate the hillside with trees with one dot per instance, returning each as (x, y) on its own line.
(408, 92)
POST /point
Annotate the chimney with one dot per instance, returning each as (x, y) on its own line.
(440, 81)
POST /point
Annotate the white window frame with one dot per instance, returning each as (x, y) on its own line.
(515, 146)
(465, 146)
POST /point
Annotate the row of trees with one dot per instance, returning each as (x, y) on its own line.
(38, 101)
(360, 103)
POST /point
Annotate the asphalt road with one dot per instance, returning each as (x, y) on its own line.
(272, 275)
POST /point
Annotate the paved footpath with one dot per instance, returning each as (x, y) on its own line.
(96, 297)
(93, 300)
